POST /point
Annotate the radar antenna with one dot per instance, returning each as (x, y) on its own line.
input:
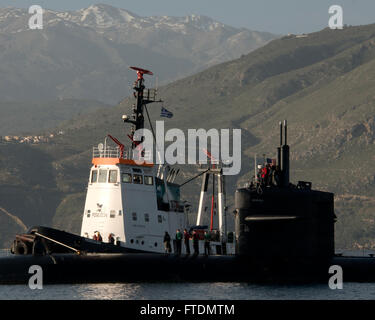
(143, 97)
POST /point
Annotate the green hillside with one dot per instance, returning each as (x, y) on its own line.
(323, 84)
(25, 117)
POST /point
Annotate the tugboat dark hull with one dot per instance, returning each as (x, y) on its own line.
(44, 240)
(145, 267)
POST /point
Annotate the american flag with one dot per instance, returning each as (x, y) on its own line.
(165, 113)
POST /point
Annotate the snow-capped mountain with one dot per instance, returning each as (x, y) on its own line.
(113, 39)
(104, 16)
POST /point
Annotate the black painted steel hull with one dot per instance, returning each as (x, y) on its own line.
(130, 267)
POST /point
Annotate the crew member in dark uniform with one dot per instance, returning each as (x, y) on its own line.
(187, 241)
(111, 239)
(100, 237)
(167, 242)
(178, 241)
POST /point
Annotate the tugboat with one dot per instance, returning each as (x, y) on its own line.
(129, 205)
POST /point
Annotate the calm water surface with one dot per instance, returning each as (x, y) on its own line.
(188, 291)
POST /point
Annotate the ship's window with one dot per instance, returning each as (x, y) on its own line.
(112, 176)
(155, 244)
(102, 175)
(160, 220)
(126, 178)
(147, 217)
(131, 241)
(134, 216)
(149, 180)
(137, 178)
(94, 176)
(137, 170)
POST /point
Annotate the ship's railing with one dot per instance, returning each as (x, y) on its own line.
(150, 94)
(115, 152)
(110, 152)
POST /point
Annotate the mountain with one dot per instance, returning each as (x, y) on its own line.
(20, 118)
(86, 54)
(321, 82)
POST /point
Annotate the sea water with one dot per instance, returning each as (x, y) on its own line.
(188, 291)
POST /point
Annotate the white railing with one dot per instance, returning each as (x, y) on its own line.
(115, 152)
(109, 152)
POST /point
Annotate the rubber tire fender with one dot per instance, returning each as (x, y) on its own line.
(21, 248)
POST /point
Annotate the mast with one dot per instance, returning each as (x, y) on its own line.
(143, 97)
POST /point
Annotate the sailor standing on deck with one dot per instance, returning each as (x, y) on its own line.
(167, 242)
(99, 237)
(178, 241)
(187, 241)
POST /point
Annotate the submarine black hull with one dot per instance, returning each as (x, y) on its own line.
(142, 267)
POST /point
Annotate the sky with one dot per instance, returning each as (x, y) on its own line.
(276, 16)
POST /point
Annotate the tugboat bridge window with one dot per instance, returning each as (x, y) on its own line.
(149, 180)
(137, 179)
(126, 178)
(94, 176)
(102, 175)
(112, 176)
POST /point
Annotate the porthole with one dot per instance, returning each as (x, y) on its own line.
(142, 243)
(131, 241)
(155, 244)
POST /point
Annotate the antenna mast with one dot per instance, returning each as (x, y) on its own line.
(143, 97)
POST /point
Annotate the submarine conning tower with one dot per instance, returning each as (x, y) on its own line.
(277, 220)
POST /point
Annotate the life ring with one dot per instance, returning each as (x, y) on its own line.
(21, 248)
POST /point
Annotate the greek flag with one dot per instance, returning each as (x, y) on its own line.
(165, 113)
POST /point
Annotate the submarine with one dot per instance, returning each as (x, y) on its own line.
(284, 232)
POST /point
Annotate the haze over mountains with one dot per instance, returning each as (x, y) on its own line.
(86, 54)
(323, 83)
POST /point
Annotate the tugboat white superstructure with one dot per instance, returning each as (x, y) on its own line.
(130, 203)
